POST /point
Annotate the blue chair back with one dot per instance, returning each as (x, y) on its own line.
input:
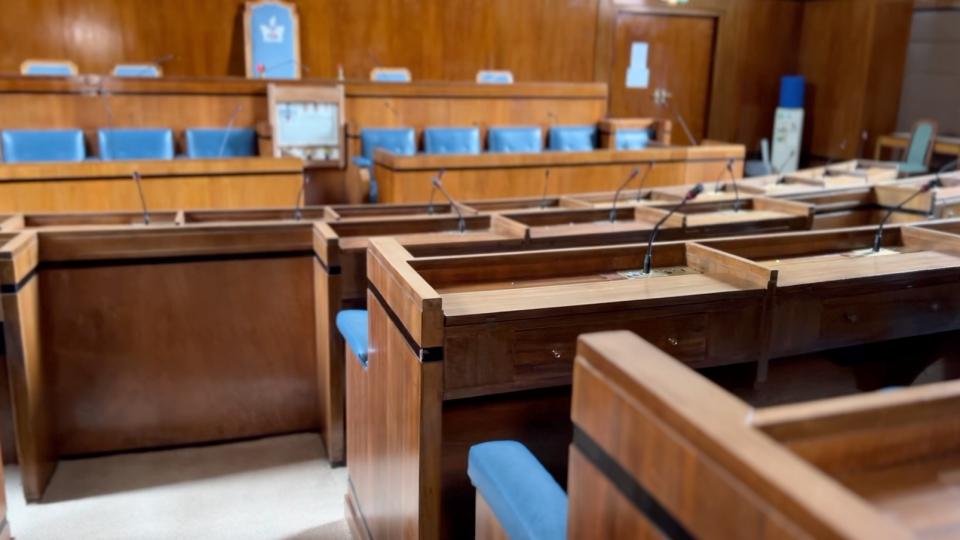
(217, 143)
(527, 502)
(48, 68)
(401, 141)
(920, 141)
(572, 138)
(633, 139)
(401, 75)
(451, 140)
(21, 145)
(515, 139)
(135, 143)
(136, 70)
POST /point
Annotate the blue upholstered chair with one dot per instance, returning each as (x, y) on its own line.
(352, 324)
(920, 148)
(26, 145)
(137, 70)
(216, 143)
(135, 143)
(515, 139)
(633, 139)
(50, 68)
(401, 141)
(451, 140)
(572, 138)
(527, 501)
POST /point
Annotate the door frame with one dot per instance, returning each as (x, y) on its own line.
(609, 10)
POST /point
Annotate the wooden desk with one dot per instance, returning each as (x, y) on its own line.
(167, 184)
(123, 338)
(497, 175)
(472, 348)
(941, 202)
(877, 466)
(831, 294)
(847, 173)
(898, 141)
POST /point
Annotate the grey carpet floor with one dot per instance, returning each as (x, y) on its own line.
(280, 488)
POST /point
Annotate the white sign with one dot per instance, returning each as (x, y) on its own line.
(638, 75)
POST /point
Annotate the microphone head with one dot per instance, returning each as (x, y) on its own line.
(436, 182)
(635, 173)
(440, 174)
(693, 193)
(930, 185)
(730, 165)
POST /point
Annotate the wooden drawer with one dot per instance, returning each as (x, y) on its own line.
(878, 316)
(550, 350)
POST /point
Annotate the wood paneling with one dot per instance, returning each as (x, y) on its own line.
(194, 373)
(853, 54)
(436, 39)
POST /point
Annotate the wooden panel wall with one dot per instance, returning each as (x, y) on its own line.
(852, 51)
(853, 54)
(540, 40)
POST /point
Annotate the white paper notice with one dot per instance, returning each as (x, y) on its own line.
(638, 75)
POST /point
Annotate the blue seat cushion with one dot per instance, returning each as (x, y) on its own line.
(451, 140)
(135, 143)
(27, 145)
(515, 139)
(207, 143)
(633, 139)
(572, 138)
(528, 502)
(352, 324)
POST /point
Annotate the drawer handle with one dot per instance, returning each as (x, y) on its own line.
(853, 318)
(672, 341)
(556, 353)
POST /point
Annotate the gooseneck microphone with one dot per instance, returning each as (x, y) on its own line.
(784, 164)
(923, 189)
(143, 201)
(156, 63)
(616, 196)
(546, 181)
(462, 225)
(648, 259)
(394, 111)
(843, 146)
(736, 188)
(729, 170)
(226, 132)
(264, 70)
(300, 196)
(433, 191)
(644, 181)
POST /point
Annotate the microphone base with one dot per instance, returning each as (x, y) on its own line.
(869, 252)
(666, 271)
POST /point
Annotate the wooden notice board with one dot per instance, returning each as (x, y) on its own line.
(307, 122)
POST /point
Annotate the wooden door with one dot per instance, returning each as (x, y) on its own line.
(680, 59)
